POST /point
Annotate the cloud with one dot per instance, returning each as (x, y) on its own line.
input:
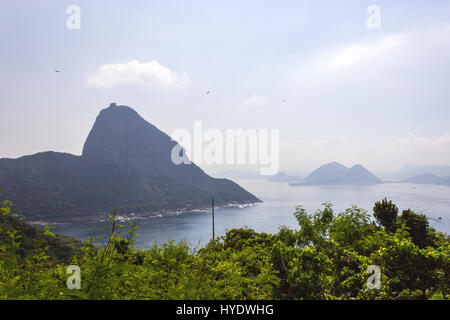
(374, 88)
(350, 62)
(254, 100)
(357, 53)
(413, 149)
(148, 74)
(407, 61)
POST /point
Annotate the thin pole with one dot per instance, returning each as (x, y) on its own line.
(213, 235)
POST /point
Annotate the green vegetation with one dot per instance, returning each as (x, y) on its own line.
(28, 239)
(326, 258)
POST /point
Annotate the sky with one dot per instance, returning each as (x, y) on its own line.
(337, 89)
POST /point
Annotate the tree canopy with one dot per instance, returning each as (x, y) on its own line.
(327, 257)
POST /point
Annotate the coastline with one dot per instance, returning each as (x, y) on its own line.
(137, 216)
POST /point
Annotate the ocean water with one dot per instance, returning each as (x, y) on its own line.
(278, 207)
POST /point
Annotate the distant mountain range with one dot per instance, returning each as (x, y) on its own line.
(428, 178)
(410, 170)
(431, 174)
(126, 163)
(336, 173)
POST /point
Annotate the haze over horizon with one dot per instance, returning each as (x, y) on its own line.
(337, 90)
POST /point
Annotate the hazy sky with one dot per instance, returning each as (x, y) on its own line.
(379, 97)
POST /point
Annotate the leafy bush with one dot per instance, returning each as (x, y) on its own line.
(326, 258)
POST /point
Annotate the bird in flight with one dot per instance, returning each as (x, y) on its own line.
(57, 70)
(207, 92)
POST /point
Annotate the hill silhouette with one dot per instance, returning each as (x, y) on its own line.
(428, 178)
(336, 173)
(126, 163)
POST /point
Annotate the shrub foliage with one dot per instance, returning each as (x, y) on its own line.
(325, 258)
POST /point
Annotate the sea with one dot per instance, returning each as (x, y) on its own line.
(277, 209)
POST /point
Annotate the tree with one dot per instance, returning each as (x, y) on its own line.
(418, 227)
(385, 212)
(326, 258)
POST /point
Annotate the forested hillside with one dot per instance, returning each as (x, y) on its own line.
(326, 258)
(126, 164)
